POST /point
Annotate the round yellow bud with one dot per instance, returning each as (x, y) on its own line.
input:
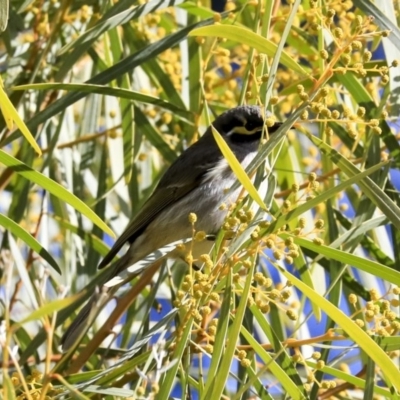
(192, 218)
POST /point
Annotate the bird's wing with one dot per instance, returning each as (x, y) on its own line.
(182, 177)
(160, 199)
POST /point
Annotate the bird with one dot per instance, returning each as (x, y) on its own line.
(196, 182)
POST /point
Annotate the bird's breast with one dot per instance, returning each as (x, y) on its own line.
(205, 201)
(223, 173)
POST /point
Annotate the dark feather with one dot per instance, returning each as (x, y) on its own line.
(181, 178)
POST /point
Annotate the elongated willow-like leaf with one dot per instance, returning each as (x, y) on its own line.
(117, 70)
(372, 267)
(282, 376)
(390, 371)
(126, 107)
(273, 141)
(170, 376)
(279, 55)
(281, 365)
(361, 96)
(367, 185)
(9, 389)
(53, 187)
(11, 115)
(86, 40)
(26, 237)
(105, 377)
(4, 6)
(237, 168)
(380, 19)
(49, 309)
(354, 380)
(222, 331)
(154, 137)
(216, 383)
(196, 9)
(283, 219)
(107, 91)
(358, 231)
(94, 241)
(115, 392)
(108, 23)
(245, 36)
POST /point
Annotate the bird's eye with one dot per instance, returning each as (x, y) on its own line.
(232, 125)
(251, 126)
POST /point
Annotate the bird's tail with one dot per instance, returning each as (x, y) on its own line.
(111, 280)
(82, 321)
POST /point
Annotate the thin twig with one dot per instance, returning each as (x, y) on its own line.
(122, 306)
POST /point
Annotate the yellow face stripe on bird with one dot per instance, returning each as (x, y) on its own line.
(244, 131)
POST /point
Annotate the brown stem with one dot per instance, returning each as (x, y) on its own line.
(121, 307)
(287, 192)
(87, 138)
(293, 343)
(329, 394)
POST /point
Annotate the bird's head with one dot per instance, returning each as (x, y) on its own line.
(243, 124)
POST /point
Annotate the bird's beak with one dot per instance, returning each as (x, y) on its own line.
(272, 129)
(296, 125)
(277, 125)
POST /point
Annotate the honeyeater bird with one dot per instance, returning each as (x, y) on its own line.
(196, 182)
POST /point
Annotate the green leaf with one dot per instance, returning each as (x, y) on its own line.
(237, 168)
(364, 264)
(281, 364)
(390, 372)
(170, 376)
(114, 72)
(49, 308)
(197, 9)
(53, 187)
(380, 19)
(216, 390)
(86, 40)
(94, 241)
(221, 336)
(8, 388)
(255, 41)
(367, 185)
(154, 136)
(357, 231)
(111, 391)
(353, 380)
(279, 373)
(26, 237)
(4, 6)
(11, 115)
(309, 204)
(279, 55)
(388, 343)
(357, 90)
(107, 91)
